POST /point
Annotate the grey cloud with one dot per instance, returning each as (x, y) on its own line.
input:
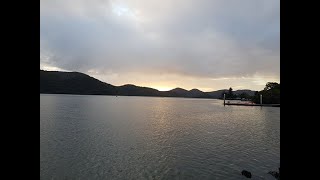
(208, 39)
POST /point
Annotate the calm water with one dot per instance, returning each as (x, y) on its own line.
(107, 137)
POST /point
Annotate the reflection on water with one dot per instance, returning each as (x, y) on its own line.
(107, 137)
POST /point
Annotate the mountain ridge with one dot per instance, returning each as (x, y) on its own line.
(57, 82)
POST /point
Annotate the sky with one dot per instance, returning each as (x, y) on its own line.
(164, 44)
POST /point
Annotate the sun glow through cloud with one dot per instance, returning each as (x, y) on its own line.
(163, 88)
(120, 10)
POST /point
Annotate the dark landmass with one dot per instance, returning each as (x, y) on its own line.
(55, 82)
(270, 94)
(217, 94)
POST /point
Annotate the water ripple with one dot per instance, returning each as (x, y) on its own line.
(103, 137)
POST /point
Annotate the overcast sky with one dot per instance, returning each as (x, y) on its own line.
(204, 44)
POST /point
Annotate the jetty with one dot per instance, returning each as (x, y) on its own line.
(248, 103)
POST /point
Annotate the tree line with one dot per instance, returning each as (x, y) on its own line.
(270, 94)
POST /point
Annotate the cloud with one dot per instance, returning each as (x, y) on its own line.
(197, 39)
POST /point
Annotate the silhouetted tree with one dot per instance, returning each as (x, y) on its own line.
(272, 85)
(270, 94)
(256, 93)
(230, 93)
(244, 95)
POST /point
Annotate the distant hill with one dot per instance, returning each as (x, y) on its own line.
(217, 94)
(179, 92)
(55, 82)
(247, 91)
(132, 90)
(197, 93)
